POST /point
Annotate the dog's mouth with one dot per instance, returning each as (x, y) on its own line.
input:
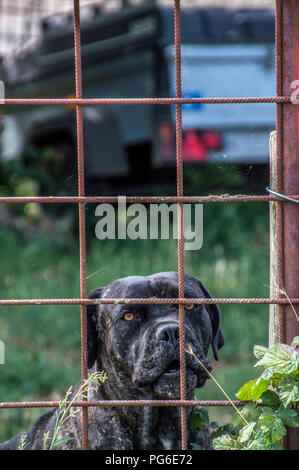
(161, 372)
(167, 384)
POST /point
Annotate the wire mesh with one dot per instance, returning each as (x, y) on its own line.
(81, 200)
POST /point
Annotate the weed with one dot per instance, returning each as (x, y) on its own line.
(65, 411)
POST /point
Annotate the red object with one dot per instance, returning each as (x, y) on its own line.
(194, 149)
(212, 140)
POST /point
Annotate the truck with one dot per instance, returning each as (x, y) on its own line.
(129, 53)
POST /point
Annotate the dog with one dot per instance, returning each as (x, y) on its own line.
(138, 348)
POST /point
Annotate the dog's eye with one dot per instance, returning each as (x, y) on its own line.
(190, 306)
(128, 316)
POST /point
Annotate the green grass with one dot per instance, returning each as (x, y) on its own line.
(43, 342)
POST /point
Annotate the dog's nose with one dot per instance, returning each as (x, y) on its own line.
(169, 334)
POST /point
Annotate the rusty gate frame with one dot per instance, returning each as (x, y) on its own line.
(287, 126)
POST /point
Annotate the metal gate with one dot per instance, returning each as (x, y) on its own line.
(287, 177)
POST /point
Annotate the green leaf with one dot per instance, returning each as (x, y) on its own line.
(226, 442)
(62, 440)
(220, 430)
(250, 412)
(275, 380)
(271, 398)
(252, 391)
(276, 446)
(289, 390)
(259, 351)
(271, 426)
(245, 392)
(258, 442)
(259, 388)
(280, 358)
(200, 419)
(268, 374)
(289, 416)
(247, 432)
(296, 340)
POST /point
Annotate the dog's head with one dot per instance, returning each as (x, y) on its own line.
(138, 345)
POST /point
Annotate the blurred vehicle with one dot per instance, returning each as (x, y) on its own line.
(130, 53)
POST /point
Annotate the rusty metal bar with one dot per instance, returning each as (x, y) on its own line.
(81, 193)
(140, 101)
(140, 199)
(279, 206)
(148, 301)
(288, 173)
(112, 403)
(180, 246)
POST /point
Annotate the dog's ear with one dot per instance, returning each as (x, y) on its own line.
(92, 334)
(214, 312)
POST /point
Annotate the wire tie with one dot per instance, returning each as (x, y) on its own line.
(281, 195)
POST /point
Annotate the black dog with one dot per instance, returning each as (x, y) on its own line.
(138, 347)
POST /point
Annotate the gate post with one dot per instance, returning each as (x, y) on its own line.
(287, 71)
(273, 308)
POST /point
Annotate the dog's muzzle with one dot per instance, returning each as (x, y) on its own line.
(164, 372)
